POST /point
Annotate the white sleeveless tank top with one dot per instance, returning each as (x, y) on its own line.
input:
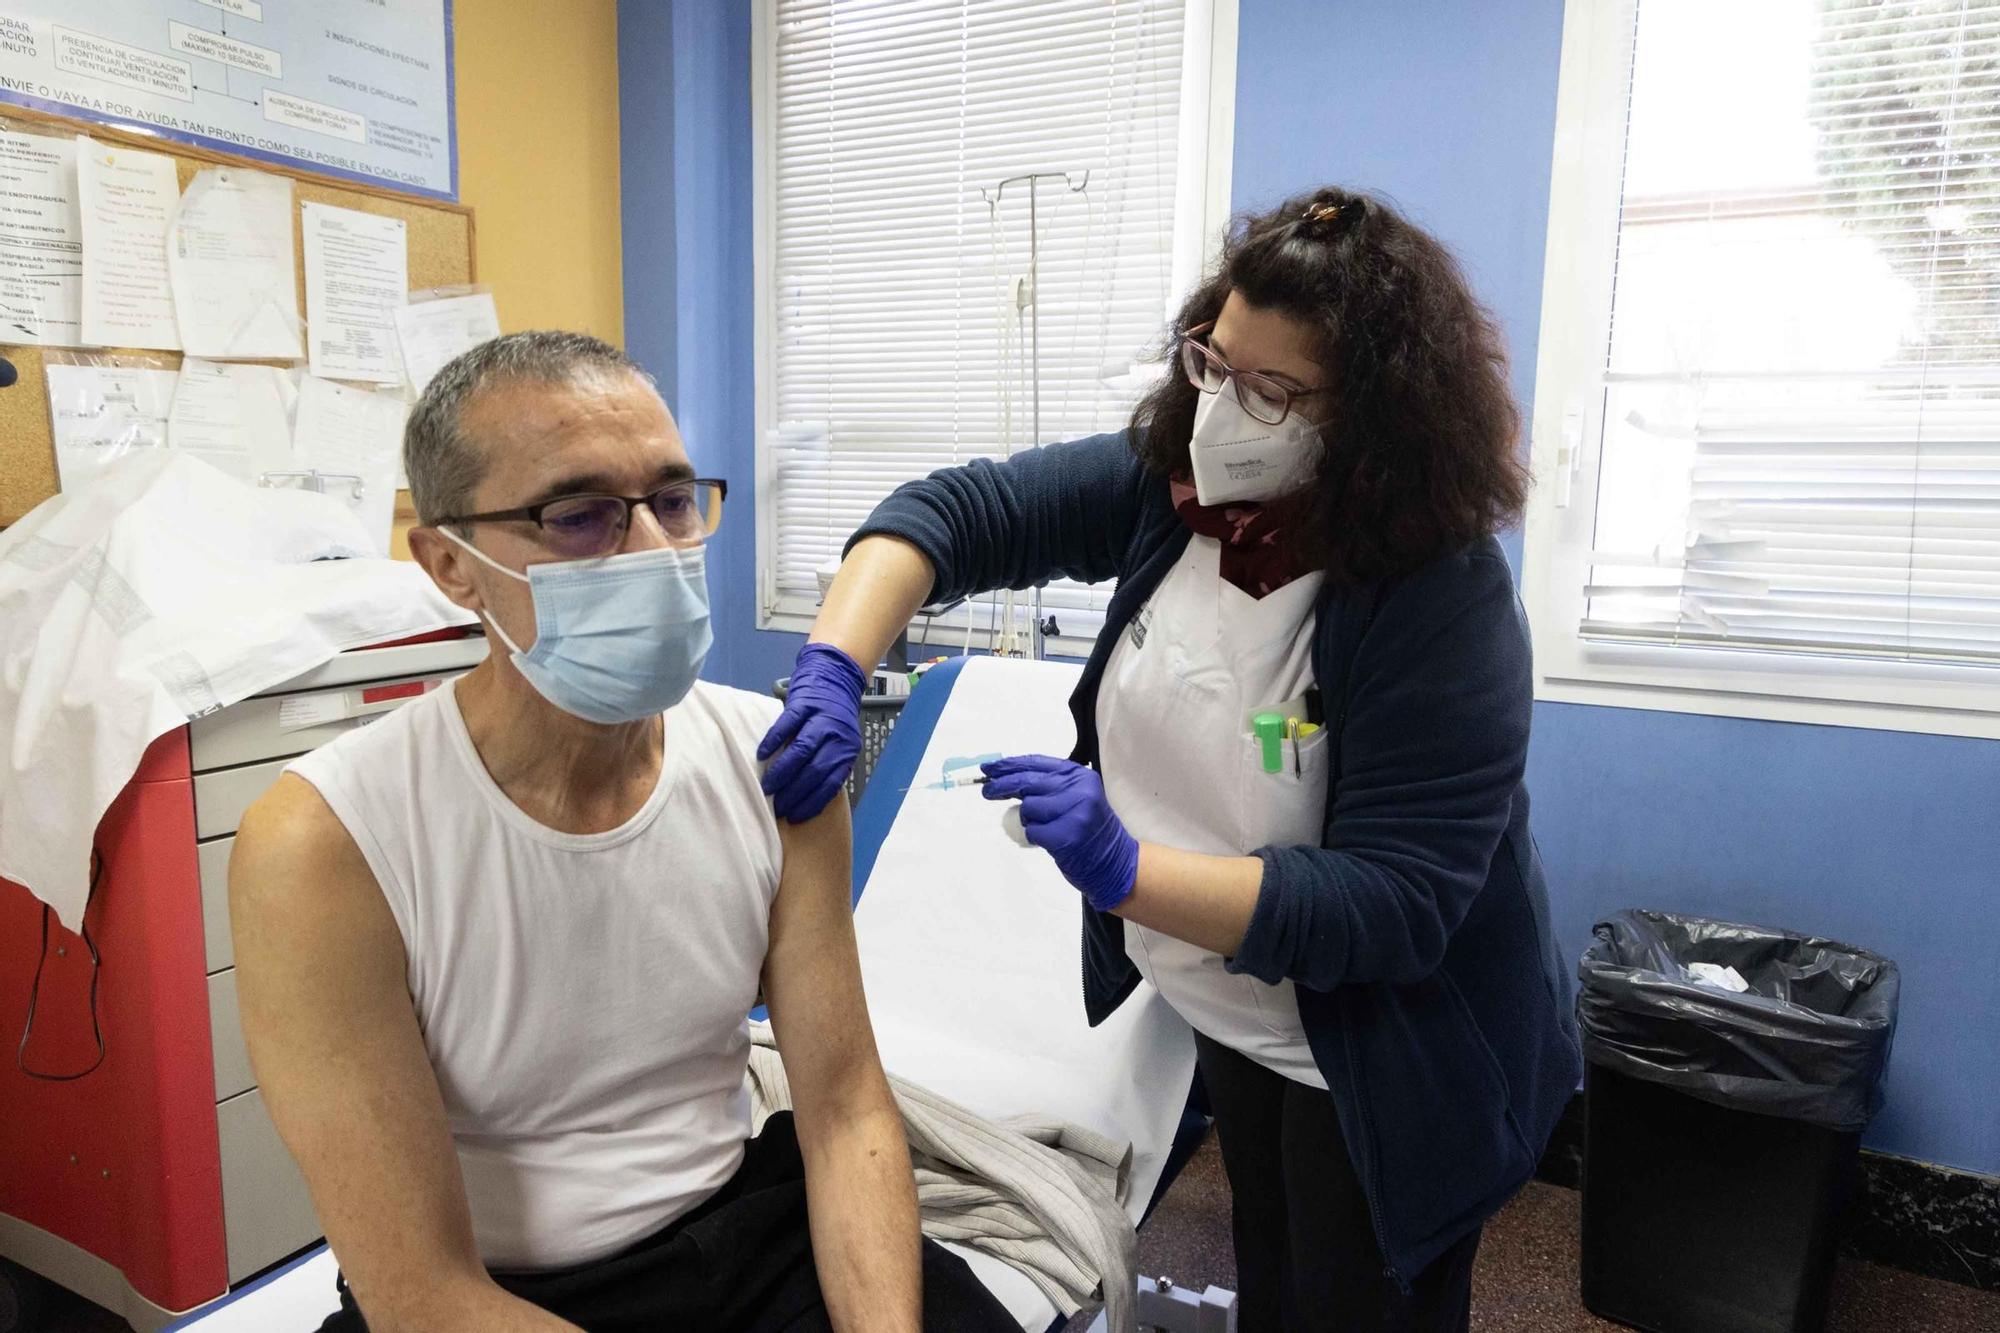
(583, 997)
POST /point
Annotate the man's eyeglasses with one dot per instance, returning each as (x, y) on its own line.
(1264, 398)
(582, 526)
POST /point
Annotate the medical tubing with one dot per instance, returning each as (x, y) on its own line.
(35, 989)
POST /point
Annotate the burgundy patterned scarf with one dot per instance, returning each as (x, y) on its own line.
(1253, 557)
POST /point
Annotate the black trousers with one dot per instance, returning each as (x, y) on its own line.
(1306, 1255)
(740, 1263)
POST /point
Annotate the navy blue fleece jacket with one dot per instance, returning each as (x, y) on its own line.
(1417, 931)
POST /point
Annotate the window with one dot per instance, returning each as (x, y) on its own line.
(897, 326)
(1767, 415)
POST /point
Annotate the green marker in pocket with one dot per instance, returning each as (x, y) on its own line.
(1269, 729)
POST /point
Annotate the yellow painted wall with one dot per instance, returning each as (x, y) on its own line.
(538, 159)
(538, 164)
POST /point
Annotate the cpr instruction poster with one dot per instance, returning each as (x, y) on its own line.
(354, 88)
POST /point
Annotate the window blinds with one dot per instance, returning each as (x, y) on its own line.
(1801, 438)
(897, 337)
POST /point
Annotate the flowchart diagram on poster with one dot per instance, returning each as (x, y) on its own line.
(354, 88)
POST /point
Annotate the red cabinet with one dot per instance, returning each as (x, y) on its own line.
(122, 1162)
(156, 1181)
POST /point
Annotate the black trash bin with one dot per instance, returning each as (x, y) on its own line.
(1722, 1129)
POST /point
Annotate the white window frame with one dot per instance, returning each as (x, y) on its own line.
(1201, 214)
(1566, 434)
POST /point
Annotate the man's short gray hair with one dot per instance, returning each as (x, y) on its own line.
(443, 464)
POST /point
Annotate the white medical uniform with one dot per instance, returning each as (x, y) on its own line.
(1182, 769)
(582, 996)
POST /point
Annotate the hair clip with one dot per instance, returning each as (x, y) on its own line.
(1325, 215)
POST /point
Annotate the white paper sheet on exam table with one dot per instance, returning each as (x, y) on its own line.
(296, 1299)
(229, 260)
(163, 592)
(41, 241)
(969, 950)
(127, 200)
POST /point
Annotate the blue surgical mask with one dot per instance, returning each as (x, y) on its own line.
(617, 638)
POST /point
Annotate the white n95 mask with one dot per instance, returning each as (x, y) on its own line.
(617, 638)
(1239, 459)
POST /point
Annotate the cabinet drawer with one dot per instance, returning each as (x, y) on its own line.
(266, 1212)
(214, 860)
(225, 1035)
(282, 725)
(221, 798)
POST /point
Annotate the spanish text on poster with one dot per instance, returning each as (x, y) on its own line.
(41, 241)
(353, 88)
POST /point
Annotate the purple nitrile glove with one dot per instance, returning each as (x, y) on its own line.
(1065, 813)
(819, 732)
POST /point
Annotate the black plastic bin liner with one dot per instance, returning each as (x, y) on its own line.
(1808, 1041)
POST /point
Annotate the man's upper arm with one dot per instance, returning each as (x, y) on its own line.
(337, 1052)
(812, 972)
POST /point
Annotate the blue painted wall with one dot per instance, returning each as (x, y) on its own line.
(1889, 840)
(685, 162)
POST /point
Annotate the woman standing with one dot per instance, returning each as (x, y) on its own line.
(1296, 802)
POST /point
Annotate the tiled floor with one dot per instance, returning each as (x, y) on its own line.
(1527, 1276)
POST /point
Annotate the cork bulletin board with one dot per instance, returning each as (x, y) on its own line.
(440, 238)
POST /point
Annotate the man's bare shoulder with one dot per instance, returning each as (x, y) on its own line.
(292, 849)
(743, 715)
(291, 818)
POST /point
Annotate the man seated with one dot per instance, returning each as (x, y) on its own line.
(496, 951)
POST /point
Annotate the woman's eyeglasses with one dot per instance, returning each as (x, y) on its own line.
(582, 526)
(1268, 400)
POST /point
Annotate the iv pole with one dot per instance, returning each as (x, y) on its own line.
(1031, 298)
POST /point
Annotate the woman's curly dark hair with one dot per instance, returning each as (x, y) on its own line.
(1420, 452)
